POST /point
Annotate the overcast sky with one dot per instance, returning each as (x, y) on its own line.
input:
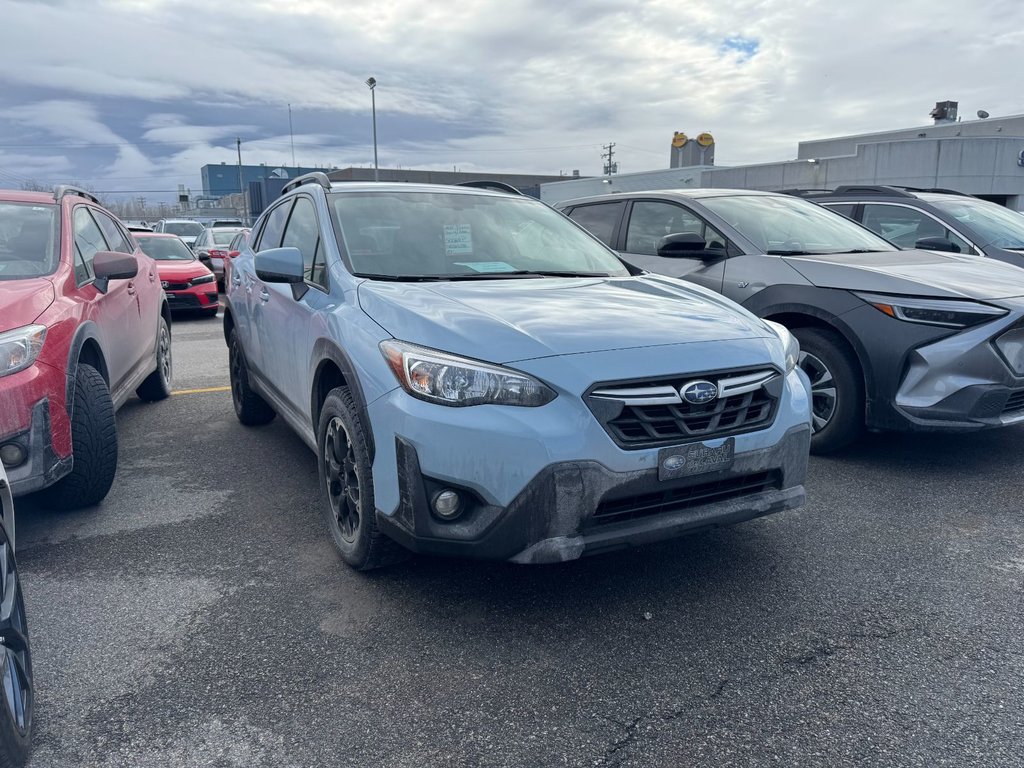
(139, 94)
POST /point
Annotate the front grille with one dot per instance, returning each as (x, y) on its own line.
(651, 413)
(182, 300)
(175, 286)
(1015, 402)
(679, 499)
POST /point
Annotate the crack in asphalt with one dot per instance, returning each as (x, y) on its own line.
(614, 753)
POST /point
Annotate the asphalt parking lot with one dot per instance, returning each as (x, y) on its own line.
(200, 616)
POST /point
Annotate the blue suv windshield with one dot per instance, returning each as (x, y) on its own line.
(999, 226)
(450, 235)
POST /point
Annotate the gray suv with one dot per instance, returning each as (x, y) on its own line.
(891, 339)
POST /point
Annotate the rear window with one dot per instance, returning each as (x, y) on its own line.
(223, 236)
(165, 248)
(28, 240)
(184, 228)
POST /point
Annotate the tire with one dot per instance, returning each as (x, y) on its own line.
(157, 385)
(93, 446)
(346, 486)
(17, 694)
(211, 312)
(837, 412)
(251, 409)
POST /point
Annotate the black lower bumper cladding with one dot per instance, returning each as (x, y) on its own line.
(579, 508)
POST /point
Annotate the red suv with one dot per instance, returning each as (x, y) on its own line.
(83, 323)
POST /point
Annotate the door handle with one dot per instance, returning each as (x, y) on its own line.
(264, 296)
(131, 289)
(235, 279)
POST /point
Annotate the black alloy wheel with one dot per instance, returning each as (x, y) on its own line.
(18, 690)
(342, 480)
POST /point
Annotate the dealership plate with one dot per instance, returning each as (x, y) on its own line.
(695, 459)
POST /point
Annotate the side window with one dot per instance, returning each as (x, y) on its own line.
(905, 226)
(112, 233)
(651, 220)
(88, 240)
(303, 232)
(599, 219)
(270, 237)
(844, 208)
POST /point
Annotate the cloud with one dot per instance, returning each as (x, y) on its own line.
(526, 86)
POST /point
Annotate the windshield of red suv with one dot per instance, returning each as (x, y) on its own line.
(165, 248)
(453, 236)
(28, 240)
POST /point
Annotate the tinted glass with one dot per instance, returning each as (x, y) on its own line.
(844, 208)
(28, 240)
(112, 233)
(223, 236)
(270, 237)
(428, 234)
(88, 238)
(651, 220)
(186, 228)
(303, 233)
(999, 226)
(599, 220)
(905, 226)
(788, 225)
(165, 248)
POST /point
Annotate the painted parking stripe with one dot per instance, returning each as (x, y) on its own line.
(202, 391)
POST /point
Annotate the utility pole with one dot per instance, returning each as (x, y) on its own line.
(245, 200)
(610, 167)
(291, 133)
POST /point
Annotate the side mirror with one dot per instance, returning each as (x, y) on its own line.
(283, 265)
(112, 265)
(937, 244)
(682, 244)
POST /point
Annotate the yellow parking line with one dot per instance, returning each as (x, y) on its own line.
(200, 391)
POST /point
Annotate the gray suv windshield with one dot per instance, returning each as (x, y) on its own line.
(999, 226)
(428, 235)
(782, 225)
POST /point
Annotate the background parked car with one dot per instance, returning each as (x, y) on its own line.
(910, 340)
(83, 324)
(935, 219)
(188, 283)
(211, 246)
(478, 377)
(186, 229)
(18, 690)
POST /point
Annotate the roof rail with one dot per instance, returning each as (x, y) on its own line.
(805, 192)
(935, 189)
(872, 189)
(498, 186)
(316, 177)
(62, 190)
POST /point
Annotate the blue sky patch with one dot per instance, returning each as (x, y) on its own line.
(744, 46)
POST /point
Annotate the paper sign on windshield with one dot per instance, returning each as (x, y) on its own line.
(458, 240)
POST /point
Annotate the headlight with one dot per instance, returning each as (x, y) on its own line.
(202, 279)
(948, 313)
(790, 345)
(449, 380)
(20, 348)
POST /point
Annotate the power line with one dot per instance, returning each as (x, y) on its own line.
(610, 166)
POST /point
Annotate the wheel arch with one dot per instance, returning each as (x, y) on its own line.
(332, 368)
(229, 325)
(85, 348)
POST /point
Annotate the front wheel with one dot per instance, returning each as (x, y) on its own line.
(837, 390)
(16, 663)
(346, 486)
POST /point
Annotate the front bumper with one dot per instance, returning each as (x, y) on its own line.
(580, 508)
(43, 466)
(198, 297)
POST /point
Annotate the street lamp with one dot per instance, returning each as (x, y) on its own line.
(371, 84)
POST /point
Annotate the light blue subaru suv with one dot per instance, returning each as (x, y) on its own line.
(479, 376)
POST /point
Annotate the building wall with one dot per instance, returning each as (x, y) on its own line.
(528, 184)
(222, 179)
(675, 178)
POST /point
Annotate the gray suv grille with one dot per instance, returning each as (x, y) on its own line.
(649, 413)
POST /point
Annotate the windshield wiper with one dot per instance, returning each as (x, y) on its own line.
(398, 278)
(480, 276)
(781, 252)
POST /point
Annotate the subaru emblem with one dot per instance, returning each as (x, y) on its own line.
(673, 463)
(698, 392)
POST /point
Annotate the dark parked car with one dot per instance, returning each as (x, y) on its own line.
(894, 339)
(935, 219)
(212, 247)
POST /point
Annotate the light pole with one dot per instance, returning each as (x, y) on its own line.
(372, 83)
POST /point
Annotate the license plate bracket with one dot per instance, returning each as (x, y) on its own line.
(695, 459)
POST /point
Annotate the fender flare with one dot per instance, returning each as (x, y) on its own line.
(87, 331)
(326, 350)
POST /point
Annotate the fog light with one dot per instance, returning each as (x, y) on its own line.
(12, 455)
(447, 505)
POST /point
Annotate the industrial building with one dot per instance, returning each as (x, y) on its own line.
(982, 157)
(528, 184)
(222, 179)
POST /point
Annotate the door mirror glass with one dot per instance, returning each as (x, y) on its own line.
(280, 265)
(113, 265)
(682, 244)
(937, 244)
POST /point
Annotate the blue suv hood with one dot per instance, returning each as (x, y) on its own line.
(503, 321)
